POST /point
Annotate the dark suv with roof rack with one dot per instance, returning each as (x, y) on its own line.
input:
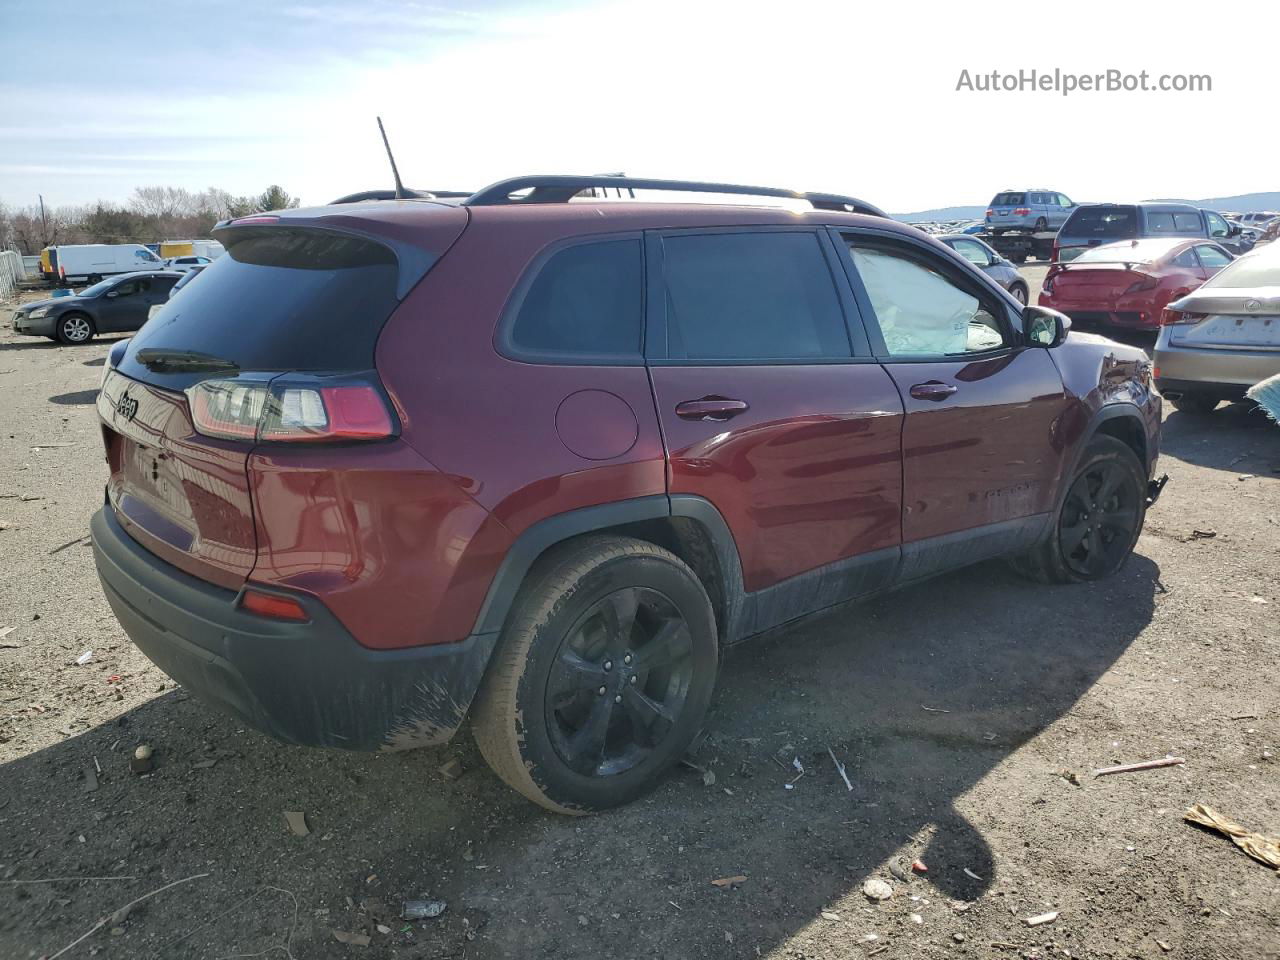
(394, 463)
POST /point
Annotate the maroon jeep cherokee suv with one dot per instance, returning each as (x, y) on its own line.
(391, 463)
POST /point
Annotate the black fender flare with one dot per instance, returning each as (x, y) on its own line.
(1108, 411)
(546, 533)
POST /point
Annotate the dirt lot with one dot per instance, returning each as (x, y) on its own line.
(1022, 683)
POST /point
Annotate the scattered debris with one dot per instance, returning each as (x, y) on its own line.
(877, 889)
(919, 867)
(84, 658)
(797, 765)
(708, 778)
(1145, 765)
(1263, 849)
(729, 882)
(958, 937)
(899, 870)
(916, 918)
(451, 769)
(833, 917)
(1203, 534)
(1245, 476)
(971, 874)
(143, 760)
(204, 764)
(422, 909)
(90, 780)
(123, 910)
(354, 939)
(840, 769)
(1163, 945)
(383, 928)
(933, 709)
(1041, 918)
(297, 821)
(69, 543)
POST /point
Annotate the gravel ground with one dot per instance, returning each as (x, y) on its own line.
(1028, 689)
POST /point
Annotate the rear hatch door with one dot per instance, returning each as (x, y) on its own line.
(289, 295)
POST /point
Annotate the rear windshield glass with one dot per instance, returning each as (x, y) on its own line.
(1009, 199)
(1141, 251)
(279, 299)
(1261, 269)
(1109, 221)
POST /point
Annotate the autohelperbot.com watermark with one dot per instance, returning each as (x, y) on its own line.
(1066, 82)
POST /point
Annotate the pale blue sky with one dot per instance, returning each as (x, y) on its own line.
(809, 94)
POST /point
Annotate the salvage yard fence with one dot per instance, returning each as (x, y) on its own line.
(11, 271)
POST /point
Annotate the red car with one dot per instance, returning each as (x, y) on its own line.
(396, 462)
(1128, 284)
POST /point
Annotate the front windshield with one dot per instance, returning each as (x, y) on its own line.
(102, 286)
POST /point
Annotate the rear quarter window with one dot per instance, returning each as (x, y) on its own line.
(1009, 199)
(583, 303)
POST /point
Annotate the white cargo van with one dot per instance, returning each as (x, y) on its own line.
(77, 263)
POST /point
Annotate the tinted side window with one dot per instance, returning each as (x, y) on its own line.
(1187, 223)
(1102, 221)
(585, 301)
(920, 310)
(1186, 258)
(1158, 223)
(751, 296)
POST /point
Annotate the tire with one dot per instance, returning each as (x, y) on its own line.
(539, 718)
(1019, 293)
(1068, 555)
(1041, 225)
(95, 278)
(1195, 403)
(75, 328)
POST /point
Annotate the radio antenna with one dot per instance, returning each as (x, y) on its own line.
(401, 193)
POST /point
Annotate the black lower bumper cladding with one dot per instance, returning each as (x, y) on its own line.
(307, 683)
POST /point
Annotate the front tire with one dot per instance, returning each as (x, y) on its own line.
(1099, 521)
(75, 328)
(607, 614)
(1019, 293)
(1195, 403)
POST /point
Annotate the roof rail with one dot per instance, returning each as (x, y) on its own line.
(560, 189)
(391, 195)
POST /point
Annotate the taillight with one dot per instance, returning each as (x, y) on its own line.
(272, 605)
(1172, 318)
(1146, 283)
(290, 408)
(990, 212)
(1054, 256)
(1022, 212)
(1047, 285)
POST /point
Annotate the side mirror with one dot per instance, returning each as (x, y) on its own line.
(1042, 327)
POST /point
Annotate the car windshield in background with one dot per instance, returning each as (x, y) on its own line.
(1138, 251)
(280, 299)
(1102, 222)
(102, 286)
(1261, 269)
(1009, 199)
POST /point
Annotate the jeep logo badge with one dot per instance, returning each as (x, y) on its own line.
(127, 407)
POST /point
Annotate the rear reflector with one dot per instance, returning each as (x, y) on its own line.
(272, 605)
(290, 408)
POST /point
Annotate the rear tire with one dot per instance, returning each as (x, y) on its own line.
(608, 614)
(1099, 521)
(1019, 293)
(1195, 403)
(1041, 225)
(74, 328)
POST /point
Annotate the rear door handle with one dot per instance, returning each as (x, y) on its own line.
(934, 390)
(710, 408)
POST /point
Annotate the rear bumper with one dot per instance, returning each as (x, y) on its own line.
(1228, 373)
(308, 683)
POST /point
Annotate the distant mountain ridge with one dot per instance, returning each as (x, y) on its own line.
(1240, 203)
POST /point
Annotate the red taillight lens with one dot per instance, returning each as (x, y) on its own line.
(1172, 318)
(290, 408)
(1146, 283)
(272, 605)
(1022, 211)
(990, 212)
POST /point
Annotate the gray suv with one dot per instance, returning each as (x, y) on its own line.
(1036, 210)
